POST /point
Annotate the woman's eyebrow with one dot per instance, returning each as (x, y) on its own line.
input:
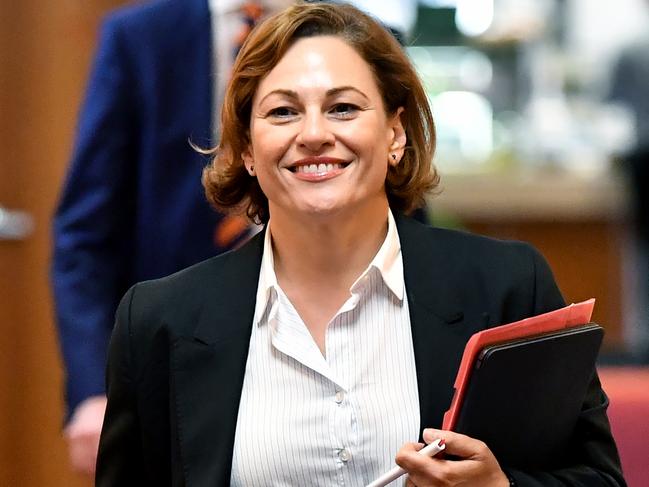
(330, 93)
(338, 90)
(286, 93)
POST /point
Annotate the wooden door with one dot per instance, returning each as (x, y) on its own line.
(45, 50)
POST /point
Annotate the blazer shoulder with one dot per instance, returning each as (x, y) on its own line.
(180, 298)
(479, 246)
(169, 306)
(512, 277)
(510, 262)
(465, 246)
(183, 287)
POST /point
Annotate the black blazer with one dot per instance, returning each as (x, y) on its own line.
(178, 354)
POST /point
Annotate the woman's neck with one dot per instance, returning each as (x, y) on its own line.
(328, 253)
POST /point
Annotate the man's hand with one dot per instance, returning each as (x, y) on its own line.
(82, 434)
(475, 467)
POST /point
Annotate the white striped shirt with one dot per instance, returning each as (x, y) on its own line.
(307, 420)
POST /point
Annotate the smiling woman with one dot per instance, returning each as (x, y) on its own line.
(318, 352)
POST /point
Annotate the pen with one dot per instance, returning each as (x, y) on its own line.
(430, 450)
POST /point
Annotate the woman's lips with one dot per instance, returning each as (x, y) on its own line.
(318, 169)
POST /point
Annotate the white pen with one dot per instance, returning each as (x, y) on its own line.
(430, 450)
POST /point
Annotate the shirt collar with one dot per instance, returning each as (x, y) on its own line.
(387, 261)
(267, 278)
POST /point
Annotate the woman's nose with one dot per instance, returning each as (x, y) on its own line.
(315, 132)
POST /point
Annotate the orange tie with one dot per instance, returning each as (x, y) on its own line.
(251, 12)
(229, 229)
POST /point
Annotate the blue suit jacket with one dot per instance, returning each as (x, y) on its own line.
(133, 207)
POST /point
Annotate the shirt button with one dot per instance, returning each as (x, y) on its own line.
(340, 395)
(345, 455)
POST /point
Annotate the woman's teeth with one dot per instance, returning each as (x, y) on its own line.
(317, 168)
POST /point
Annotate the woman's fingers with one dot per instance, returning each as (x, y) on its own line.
(458, 445)
(422, 470)
(475, 464)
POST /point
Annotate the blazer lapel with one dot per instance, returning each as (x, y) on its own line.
(440, 325)
(208, 368)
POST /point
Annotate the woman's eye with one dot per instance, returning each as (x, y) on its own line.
(344, 109)
(281, 112)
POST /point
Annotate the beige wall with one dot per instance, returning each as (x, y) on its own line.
(45, 50)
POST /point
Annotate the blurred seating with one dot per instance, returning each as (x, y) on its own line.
(628, 391)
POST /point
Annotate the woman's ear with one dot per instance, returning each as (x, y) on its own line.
(398, 139)
(248, 160)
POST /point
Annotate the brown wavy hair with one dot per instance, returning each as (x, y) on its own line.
(230, 188)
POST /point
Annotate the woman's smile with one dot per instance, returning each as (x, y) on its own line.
(317, 169)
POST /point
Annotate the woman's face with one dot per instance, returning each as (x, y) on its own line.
(321, 141)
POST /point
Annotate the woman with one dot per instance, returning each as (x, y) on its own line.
(323, 347)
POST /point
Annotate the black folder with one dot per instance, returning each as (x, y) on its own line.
(523, 397)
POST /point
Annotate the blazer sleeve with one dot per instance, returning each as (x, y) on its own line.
(91, 230)
(120, 461)
(594, 460)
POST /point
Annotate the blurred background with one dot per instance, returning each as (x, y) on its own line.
(537, 131)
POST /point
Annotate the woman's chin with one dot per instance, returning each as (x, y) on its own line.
(328, 206)
(324, 210)
(336, 207)
(316, 210)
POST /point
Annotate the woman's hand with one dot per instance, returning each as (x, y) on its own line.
(476, 465)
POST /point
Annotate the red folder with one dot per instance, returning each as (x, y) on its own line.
(567, 317)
